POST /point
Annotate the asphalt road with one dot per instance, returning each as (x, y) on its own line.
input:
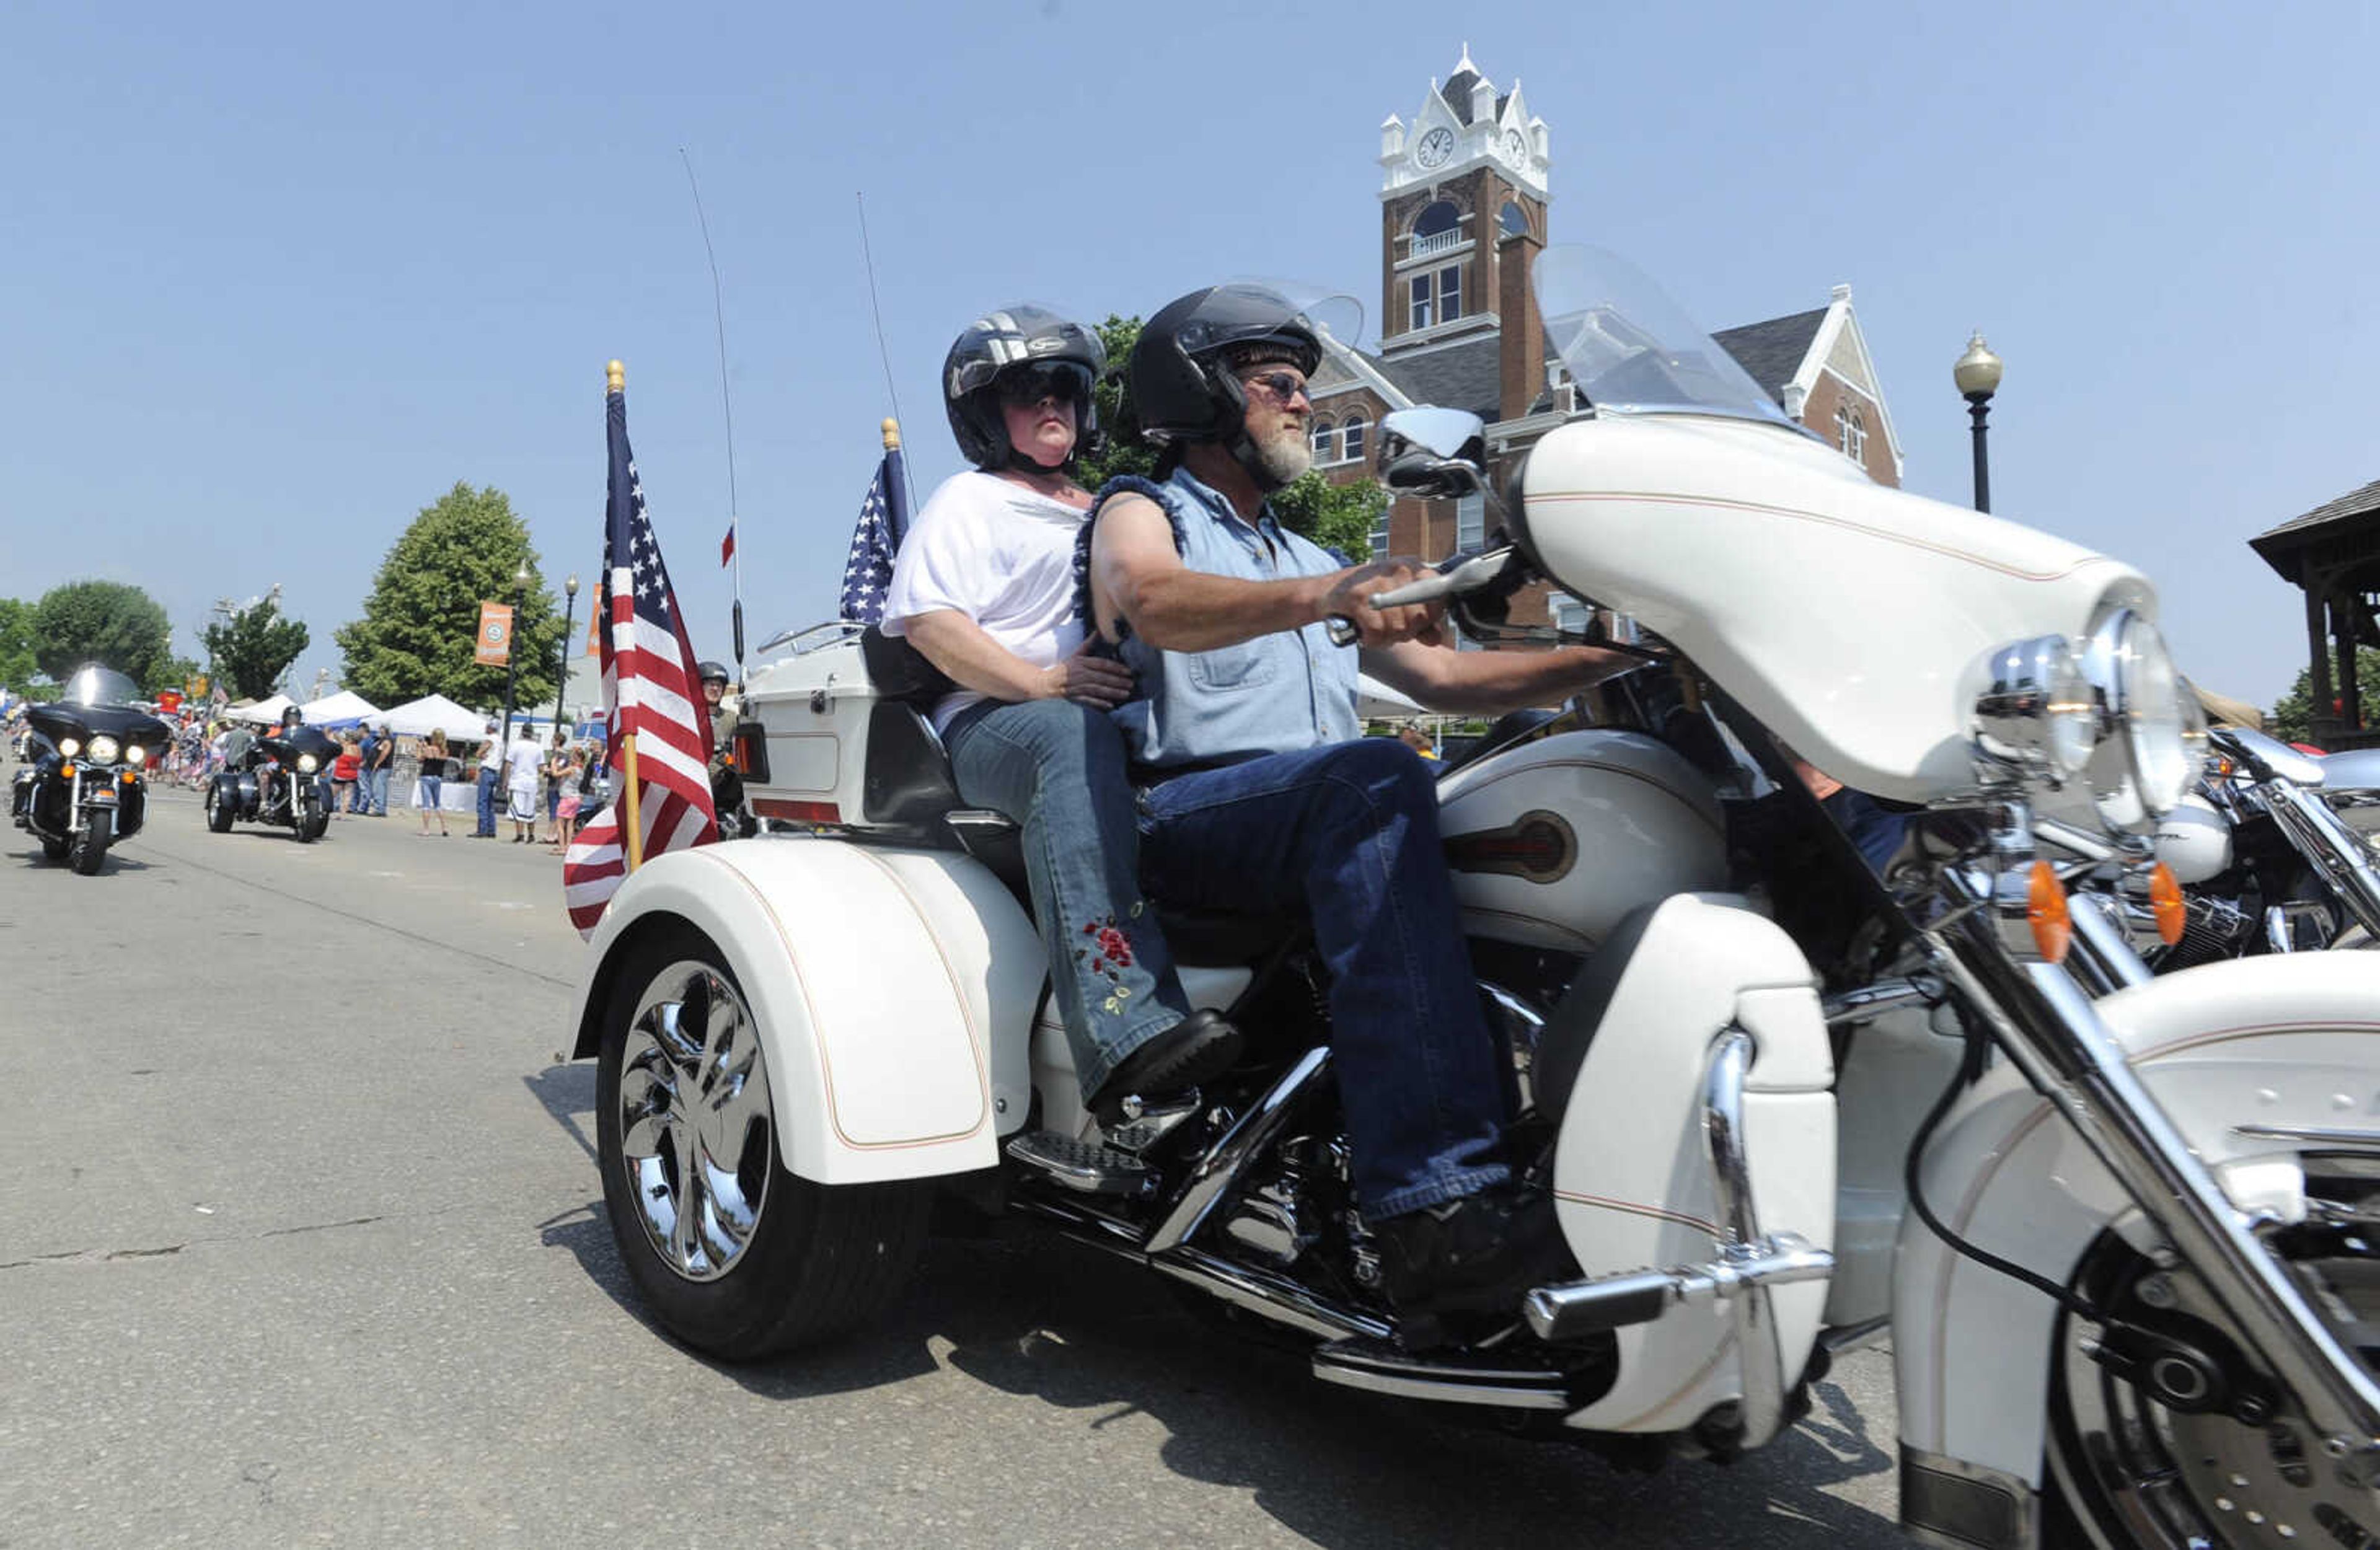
(301, 1243)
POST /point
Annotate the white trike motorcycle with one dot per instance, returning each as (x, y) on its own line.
(2120, 1230)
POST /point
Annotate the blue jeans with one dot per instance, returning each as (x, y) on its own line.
(1058, 769)
(377, 780)
(1348, 834)
(487, 802)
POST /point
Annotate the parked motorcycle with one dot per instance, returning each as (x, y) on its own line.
(2124, 1245)
(2266, 851)
(280, 781)
(88, 750)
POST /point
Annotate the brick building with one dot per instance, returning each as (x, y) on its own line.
(1462, 218)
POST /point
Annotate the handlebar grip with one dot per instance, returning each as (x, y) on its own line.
(1428, 590)
(1341, 630)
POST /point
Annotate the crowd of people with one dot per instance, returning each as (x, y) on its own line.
(519, 784)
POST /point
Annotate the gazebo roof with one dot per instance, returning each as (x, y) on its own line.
(2352, 515)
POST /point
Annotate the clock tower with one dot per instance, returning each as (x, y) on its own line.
(1462, 215)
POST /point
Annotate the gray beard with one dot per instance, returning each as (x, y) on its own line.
(1285, 457)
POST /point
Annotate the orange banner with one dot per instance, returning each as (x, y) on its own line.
(595, 629)
(493, 645)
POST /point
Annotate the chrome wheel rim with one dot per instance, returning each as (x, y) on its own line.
(2185, 1481)
(695, 1121)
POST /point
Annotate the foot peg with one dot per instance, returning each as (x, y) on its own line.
(1084, 1167)
(1564, 1313)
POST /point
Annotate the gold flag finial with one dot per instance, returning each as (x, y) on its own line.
(892, 435)
(616, 376)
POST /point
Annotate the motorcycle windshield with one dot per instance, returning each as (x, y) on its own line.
(1631, 350)
(100, 686)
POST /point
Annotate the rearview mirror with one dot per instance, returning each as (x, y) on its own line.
(1447, 432)
(1433, 453)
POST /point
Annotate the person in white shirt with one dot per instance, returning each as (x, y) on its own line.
(522, 763)
(984, 587)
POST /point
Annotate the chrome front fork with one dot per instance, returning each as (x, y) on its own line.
(2328, 846)
(2042, 1017)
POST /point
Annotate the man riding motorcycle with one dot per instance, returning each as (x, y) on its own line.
(1257, 796)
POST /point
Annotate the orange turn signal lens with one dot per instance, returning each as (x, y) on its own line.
(2045, 909)
(65, 771)
(2166, 901)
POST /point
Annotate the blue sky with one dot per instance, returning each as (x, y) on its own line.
(275, 277)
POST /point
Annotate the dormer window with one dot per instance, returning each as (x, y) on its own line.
(1850, 433)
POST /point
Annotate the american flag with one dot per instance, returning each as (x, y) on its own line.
(883, 517)
(650, 690)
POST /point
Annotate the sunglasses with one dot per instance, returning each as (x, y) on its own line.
(1282, 385)
(1031, 384)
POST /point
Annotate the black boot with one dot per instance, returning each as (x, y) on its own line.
(1199, 1048)
(1480, 1254)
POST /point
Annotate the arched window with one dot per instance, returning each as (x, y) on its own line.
(1437, 219)
(1514, 222)
(1322, 440)
(1850, 433)
(1352, 437)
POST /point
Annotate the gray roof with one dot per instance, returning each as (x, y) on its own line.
(1464, 376)
(1774, 350)
(2297, 531)
(1457, 92)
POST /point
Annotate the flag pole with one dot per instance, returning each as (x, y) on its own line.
(615, 380)
(635, 837)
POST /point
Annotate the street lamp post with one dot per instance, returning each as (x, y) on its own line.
(569, 600)
(1978, 376)
(512, 649)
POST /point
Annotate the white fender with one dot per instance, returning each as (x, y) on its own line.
(1631, 1171)
(894, 988)
(2281, 1040)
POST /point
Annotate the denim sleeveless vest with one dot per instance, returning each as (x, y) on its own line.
(1273, 694)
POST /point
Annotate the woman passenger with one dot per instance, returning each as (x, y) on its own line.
(984, 587)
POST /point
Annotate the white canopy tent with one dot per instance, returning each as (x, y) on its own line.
(431, 713)
(344, 708)
(1374, 701)
(263, 710)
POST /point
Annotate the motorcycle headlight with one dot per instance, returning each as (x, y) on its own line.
(136, 754)
(104, 749)
(2157, 742)
(306, 763)
(2037, 712)
(69, 747)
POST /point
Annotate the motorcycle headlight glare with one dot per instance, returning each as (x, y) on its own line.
(135, 753)
(104, 749)
(2157, 745)
(2037, 712)
(69, 747)
(306, 763)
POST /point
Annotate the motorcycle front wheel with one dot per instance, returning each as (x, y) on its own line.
(734, 1255)
(2128, 1468)
(89, 847)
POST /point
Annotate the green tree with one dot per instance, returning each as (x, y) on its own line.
(2292, 719)
(416, 634)
(17, 663)
(1337, 516)
(105, 622)
(171, 673)
(254, 647)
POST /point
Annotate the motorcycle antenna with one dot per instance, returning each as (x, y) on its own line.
(726, 408)
(892, 439)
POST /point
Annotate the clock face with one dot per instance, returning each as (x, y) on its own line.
(1516, 148)
(1435, 147)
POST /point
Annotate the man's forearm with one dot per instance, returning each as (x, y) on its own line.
(1489, 682)
(1192, 610)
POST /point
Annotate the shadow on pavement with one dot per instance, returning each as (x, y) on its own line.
(567, 1092)
(1037, 1317)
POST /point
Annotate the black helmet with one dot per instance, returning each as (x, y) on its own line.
(1181, 370)
(1015, 339)
(711, 672)
(292, 717)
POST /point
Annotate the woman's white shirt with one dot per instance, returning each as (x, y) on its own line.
(1000, 554)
